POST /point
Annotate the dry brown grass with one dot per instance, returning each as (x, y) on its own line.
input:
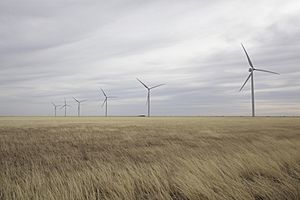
(157, 158)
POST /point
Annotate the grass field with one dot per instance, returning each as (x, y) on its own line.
(156, 158)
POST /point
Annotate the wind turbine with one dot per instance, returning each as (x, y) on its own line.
(79, 102)
(55, 107)
(251, 71)
(65, 106)
(105, 101)
(148, 96)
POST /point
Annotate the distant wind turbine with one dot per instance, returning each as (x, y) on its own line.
(55, 107)
(148, 95)
(105, 101)
(251, 70)
(79, 102)
(65, 106)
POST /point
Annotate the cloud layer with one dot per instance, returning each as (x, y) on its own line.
(51, 50)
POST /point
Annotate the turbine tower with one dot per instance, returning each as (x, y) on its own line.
(251, 75)
(148, 95)
(79, 102)
(105, 101)
(65, 106)
(55, 107)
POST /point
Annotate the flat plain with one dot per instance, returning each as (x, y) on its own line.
(149, 158)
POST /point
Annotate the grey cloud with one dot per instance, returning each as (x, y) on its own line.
(56, 49)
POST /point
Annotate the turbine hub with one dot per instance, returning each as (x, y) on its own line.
(250, 70)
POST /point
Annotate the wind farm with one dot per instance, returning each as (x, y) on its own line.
(157, 157)
(149, 100)
(250, 77)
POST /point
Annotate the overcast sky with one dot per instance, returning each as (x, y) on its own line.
(51, 50)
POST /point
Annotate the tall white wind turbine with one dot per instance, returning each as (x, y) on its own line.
(55, 108)
(65, 106)
(251, 75)
(105, 101)
(78, 107)
(148, 94)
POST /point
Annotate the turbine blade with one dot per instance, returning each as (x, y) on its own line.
(157, 86)
(103, 102)
(82, 101)
(112, 97)
(103, 92)
(250, 63)
(62, 106)
(75, 99)
(246, 81)
(262, 70)
(142, 83)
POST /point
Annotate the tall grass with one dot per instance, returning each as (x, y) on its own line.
(157, 158)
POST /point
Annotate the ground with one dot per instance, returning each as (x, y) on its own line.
(149, 158)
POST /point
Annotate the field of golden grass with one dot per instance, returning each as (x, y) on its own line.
(157, 158)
